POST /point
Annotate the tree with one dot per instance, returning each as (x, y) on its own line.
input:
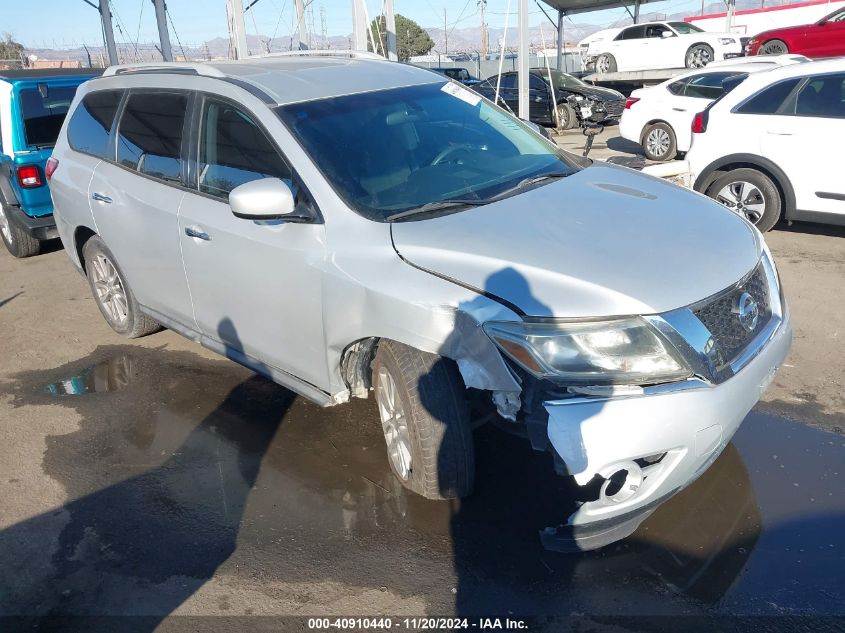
(9, 48)
(411, 38)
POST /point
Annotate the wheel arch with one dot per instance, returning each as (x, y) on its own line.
(81, 235)
(651, 122)
(737, 161)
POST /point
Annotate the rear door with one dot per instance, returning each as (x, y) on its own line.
(256, 286)
(135, 198)
(800, 139)
(629, 49)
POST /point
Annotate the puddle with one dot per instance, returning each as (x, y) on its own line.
(203, 470)
(113, 374)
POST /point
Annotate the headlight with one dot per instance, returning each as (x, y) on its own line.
(727, 40)
(615, 351)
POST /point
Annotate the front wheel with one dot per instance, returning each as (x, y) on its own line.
(113, 295)
(566, 117)
(659, 142)
(425, 418)
(18, 242)
(751, 194)
(774, 47)
(699, 56)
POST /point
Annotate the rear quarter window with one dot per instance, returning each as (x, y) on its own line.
(44, 110)
(89, 126)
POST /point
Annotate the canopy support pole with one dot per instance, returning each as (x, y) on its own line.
(524, 52)
(560, 40)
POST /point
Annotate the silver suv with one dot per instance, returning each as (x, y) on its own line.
(344, 224)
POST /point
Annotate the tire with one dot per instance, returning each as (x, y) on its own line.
(18, 242)
(106, 279)
(606, 63)
(659, 143)
(432, 453)
(773, 47)
(698, 56)
(566, 117)
(746, 187)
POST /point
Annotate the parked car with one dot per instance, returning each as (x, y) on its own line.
(656, 45)
(606, 104)
(458, 74)
(825, 38)
(659, 117)
(33, 104)
(460, 263)
(767, 150)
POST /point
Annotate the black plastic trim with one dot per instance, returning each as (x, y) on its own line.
(828, 195)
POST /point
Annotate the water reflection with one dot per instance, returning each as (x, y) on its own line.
(113, 374)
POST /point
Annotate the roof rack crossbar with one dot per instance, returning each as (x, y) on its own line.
(204, 70)
(324, 53)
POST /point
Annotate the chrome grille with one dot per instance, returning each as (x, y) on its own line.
(729, 336)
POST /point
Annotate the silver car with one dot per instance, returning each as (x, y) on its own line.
(342, 224)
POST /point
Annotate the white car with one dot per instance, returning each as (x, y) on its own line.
(656, 45)
(659, 117)
(770, 148)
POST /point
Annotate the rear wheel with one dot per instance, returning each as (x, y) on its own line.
(659, 142)
(774, 47)
(698, 56)
(113, 295)
(425, 418)
(751, 194)
(17, 241)
(606, 63)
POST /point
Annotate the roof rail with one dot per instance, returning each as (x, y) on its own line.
(204, 70)
(324, 53)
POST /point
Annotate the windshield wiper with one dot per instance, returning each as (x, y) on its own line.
(439, 205)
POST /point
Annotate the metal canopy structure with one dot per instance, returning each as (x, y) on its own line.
(572, 7)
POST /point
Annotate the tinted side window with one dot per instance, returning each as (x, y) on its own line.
(633, 33)
(88, 130)
(234, 150)
(822, 97)
(508, 81)
(677, 87)
(536, 83)
(770, 99)
(150, 134)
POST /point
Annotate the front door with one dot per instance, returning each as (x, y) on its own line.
(256, 286)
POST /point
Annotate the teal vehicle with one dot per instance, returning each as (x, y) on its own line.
(33, 105)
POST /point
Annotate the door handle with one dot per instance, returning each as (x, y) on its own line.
(197, 233)
(778, 133)
(99, 197)
(679, 109)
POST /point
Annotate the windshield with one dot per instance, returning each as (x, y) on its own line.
(564, 81)
(685, 28)
(392, 151)
(44, 109)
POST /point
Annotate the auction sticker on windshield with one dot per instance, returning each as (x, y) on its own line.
(461, 93)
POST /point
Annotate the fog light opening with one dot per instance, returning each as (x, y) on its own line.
(622, 483)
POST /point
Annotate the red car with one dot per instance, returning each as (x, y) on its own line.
(825, 38)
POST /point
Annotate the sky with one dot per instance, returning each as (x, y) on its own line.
(70, 23)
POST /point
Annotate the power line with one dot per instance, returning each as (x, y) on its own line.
(173, 26)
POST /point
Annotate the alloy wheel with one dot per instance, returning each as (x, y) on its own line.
(699, 57)
(773, 48)
(394, 423)
(743, 198)
(658, 141)
(603, 64)
(109, 288)
(5, 228)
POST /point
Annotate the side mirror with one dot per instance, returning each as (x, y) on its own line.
(264, 199)
(665, 34)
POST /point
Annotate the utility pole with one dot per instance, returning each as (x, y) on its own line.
(296, 39)
(325, 42)
(163, 34)
(524, 51)
(237, 28)
(445, 34)
(482, 4)
(390, 26)
(359, 25)
(108, 30)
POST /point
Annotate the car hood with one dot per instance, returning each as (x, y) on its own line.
(602, 94)
(786, 30)
(603, 241)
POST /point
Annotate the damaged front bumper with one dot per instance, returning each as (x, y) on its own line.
(644, 448)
